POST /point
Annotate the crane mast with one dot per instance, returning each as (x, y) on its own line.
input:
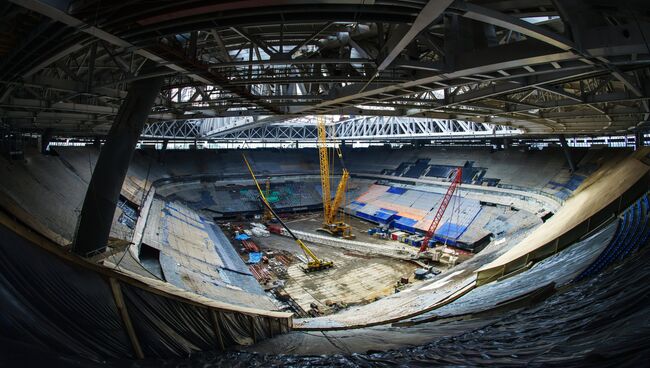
(338, 198)
(331, 207)
(324, 167)
(441, 209)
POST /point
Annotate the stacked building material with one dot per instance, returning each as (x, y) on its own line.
(250, 245)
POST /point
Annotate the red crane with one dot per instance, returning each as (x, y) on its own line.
(441, 210)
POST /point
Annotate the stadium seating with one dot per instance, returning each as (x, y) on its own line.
(632, 234)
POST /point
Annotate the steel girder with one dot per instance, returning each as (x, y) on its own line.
(366, 128)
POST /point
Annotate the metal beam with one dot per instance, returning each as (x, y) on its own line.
(432, 10)
(59, 14)
(297, 61)
(310, 38)
(559, 91)
(499, 19)
(359, 128)
(222, 46)
(254, 40)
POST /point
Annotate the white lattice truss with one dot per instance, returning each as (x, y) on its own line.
(357, 128)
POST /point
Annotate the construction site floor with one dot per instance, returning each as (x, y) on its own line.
(356, 278)
(311, 222)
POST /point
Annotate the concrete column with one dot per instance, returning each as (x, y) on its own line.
(639, 140)
(46, 137)
(567, 153)
(506, 143)
(163, 149)
(108, 176)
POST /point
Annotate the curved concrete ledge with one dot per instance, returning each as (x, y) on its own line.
(610, 189)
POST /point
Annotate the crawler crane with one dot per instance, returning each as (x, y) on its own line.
(332, 223)
(313, 263)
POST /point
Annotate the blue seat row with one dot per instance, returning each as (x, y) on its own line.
(632, 233)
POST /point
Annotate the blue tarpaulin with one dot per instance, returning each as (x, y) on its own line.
(366, 216)
(254, 257)
(396, 190)
(384, 215)
(405, 223)
(242, 237)
(381, 216)
(450, 231)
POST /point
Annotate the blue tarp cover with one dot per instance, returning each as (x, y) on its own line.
(450, 231)
(405, 223)
(254, 257)
(242, 237)
(396, 190)
(384, 215)
(387, 211)
(365, 216)
(380, 216)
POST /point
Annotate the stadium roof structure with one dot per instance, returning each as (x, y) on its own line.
(539, 67)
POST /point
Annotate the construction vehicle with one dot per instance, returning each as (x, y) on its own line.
(313, 262)
(332, 223)
(441, 209)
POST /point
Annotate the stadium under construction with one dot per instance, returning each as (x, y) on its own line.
(329, 183)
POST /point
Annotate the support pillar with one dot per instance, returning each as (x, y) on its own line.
(506, 143)
(639, 140)
(163, 149)
(567, 153)
(46, 137)
(108, 176)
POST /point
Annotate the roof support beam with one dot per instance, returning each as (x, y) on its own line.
(499, 19)
(397, 43)
(627, 82)
(310, 38)
(254, 40)
(222, 47)
(559, 91)
(59, 14)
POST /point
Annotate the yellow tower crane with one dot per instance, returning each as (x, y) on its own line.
(331, 222)
(313, 263)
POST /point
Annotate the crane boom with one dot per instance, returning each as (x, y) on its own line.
(442, 208)
(315, 263)
(331, 207)
(338, 198)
